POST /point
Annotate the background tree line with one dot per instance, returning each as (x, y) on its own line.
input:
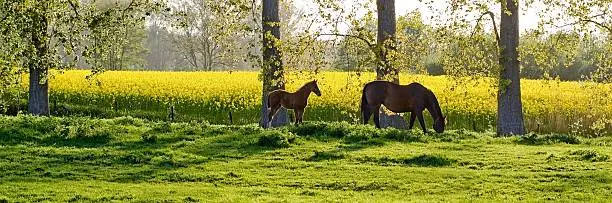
(205, 35)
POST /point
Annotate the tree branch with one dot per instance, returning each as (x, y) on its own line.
(609, 28)
(253, 12)
(74, 8)
(349, 35)
(126, 9)
(494, 26)
(589, 19)
(129, 5)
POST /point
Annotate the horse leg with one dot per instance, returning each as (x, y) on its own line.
(412, 118)
(300, 116)
(376, 116)
(421, 121)
(296, 114)
(366, 115)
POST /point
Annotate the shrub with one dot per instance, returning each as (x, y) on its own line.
(589, 155)
(149, 137)
(276, 139)
(309, 129)
(403, 135)
(361, 133)
(164, 127)
(435, 68)
(75, 130)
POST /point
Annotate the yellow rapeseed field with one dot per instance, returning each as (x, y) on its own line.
(549, 106)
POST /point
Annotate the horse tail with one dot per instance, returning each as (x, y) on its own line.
(268, 101)
(364, 100)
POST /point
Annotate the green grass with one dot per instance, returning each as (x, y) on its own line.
(127, 159)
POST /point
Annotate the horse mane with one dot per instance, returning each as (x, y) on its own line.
(303, 88)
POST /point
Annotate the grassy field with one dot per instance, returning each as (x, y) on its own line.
(127, 159)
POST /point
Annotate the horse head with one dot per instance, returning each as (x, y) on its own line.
(315, 88)
(439, 124)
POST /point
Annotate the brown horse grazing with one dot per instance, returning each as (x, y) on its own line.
(413, 98)
(296, 101)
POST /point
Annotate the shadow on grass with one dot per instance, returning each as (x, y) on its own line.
(424, 160)
(327, 156)
(348, 146)
(534, 139)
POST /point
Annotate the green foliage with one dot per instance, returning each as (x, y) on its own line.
(149, 137)
(433, 66)
(128, 52)
(369, 135)
(87, 29)
(353, 53)
(276, 139)
(470, 56)
(563, 55)
(356, 50)
(415, 43)
(567, 44)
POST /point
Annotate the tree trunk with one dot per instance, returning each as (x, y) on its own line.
(509, 106)
(38, 101)
(273, 72)
(386, 40)
(384, 69)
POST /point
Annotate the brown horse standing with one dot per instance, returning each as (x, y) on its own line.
(413, 98)
(296, 101)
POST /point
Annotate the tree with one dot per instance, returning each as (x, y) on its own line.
(41, 33)
(161, 54)
(128, 51)
(509, 105)
(206, 32)
(272, 69)
(470, 50)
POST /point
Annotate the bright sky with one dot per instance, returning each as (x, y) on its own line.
(527, 19)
